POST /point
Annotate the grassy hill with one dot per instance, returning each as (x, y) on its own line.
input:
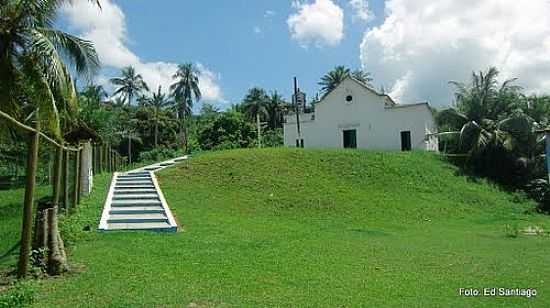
(290, 227)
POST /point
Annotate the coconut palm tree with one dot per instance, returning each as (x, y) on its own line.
(255, 103)
(333, 78)
(130, 84)
(275, 106)
(94, 94)
(34, 59)
(492, 130)
(158, 102)
(364, 77)
(330, 80)
(185, 90)
(479, 107)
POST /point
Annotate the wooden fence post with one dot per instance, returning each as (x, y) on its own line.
(94, 168)
(57, 176)
(79, 164)
(66, 180)
(76, 179)
(26, 232)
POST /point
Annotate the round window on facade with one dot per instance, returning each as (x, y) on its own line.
(349, 98)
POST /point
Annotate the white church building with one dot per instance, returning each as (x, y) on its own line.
(353, 115)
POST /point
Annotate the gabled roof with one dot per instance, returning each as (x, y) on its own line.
(362, 84)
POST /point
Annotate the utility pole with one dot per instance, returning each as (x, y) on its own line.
(297, 107)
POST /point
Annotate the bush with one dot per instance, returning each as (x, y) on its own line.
(273, 138)
(228, 131)
(539, 190)
(160, 153)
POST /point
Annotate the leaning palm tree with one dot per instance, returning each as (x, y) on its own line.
(34, 58)
(130, 84)
(158, 102)
(185, 90)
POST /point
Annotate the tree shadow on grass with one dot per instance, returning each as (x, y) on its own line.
(10, 252)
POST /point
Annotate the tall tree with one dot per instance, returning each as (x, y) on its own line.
(185, 90)
(491, 129)
(93, 94)
(364, 77)
(275, 107)
(130, 84)
(34, 59)
(158, 102)
(255, 103)
(255, 107)
(333, 78)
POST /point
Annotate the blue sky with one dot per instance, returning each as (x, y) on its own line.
(412, 48)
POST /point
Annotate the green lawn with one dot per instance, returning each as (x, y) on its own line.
(295, 228)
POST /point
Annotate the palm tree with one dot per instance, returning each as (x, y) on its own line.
(333, 78)
(364, 77)
(255, 103)
(94, 94)
(255, 107)
(275, 107)
(490, 126)
(34, 58)
(158, 102)
(130, 84)
(185, 90)
(479, 107)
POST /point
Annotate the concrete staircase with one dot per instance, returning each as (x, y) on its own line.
(135, 202)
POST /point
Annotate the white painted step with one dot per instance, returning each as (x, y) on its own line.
(151, 226)
(137, 218)
(123, 186)
(136, 196)
(135, 202)
(135, 191)
(151, 209)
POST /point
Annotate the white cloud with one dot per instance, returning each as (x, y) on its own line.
(423, 44)
(361, 9)
(320, 23)
(106, 28)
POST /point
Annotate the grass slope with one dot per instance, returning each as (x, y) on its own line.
(287, 227)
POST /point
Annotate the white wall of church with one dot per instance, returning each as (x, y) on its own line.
(377, 125)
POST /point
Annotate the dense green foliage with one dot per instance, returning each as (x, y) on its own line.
(35, 62)
(495, 126)
(286, 227)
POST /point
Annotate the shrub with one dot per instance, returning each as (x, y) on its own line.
(539, 190)
(273, 138)
(160, 153)
(228, 131)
